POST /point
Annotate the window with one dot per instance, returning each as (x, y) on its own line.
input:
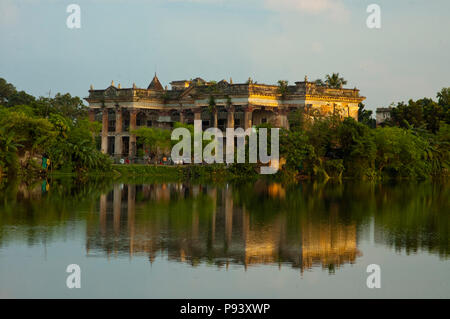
(111, 126)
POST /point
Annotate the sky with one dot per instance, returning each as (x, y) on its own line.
(268, 40)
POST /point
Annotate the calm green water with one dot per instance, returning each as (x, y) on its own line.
(261, 240)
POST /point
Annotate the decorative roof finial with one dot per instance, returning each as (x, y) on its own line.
(306, 78)
(112, 83)
(92, 87)
(231, 80)
(134, 85)
(119, 86)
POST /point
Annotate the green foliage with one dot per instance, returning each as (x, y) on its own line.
(8, 152)
(444, 97)
(365, 116)
(334, 168)
(357, 147)
(75, 147)
(299, 154)
(283, 88)
(36, 134)
(55, 127)
(400, 153)
(211, 104)
(155, 139)
(9, 96)
(319, 82)
(423, 113)
(335, 81)
(330, 147)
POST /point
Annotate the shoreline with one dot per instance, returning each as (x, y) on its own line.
(213, 173)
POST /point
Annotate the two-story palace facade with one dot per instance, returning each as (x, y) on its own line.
(122, 110)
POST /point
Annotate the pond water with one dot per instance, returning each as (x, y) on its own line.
(258, 240)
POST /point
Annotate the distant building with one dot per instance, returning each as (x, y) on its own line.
(383, 114)
(236, 105)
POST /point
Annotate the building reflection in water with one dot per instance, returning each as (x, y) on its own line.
(205, 224)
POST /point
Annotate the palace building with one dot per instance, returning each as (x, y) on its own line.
(222, 105)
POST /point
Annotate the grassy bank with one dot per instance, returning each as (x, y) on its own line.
(212, 173)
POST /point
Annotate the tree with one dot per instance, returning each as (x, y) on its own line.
(211, 104)
(444, 97)
(358, 148)
(156, 139)
(334, 81)
(298, 152)
(9, 147)
(283, 88)
(444, 101)
(56, 127)
(6, 91)
(74, 148)
(365, 116)
(401, 153)
(319, 82)
(424, 113)
(35, 133)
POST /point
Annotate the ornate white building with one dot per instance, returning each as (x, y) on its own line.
(223, 104)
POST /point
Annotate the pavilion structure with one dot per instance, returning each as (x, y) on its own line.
(217, 104)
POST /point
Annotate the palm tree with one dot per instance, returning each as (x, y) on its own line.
(8, 151)
(334, 81)
(283, 88)
(211, 104)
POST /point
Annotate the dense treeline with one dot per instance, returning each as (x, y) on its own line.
(415, 143)
(57, 128)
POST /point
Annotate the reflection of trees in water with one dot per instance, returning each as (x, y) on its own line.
(35, 210)
(303, 225)
(414, 217)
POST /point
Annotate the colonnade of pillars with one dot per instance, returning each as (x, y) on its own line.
(230, 117)
(118, 133)
(280, 120)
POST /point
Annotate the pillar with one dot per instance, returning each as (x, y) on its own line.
(105, 131)
(278, 118)
(181, 117)
(215, 118)
(248, 113)
(132, 145)
(91, 115)
(230, 117)
(284, 119)
(118, 135)
(197, 115)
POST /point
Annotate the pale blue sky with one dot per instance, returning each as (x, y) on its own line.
(268, 40)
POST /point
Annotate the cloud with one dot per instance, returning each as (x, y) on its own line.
(334, 8)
